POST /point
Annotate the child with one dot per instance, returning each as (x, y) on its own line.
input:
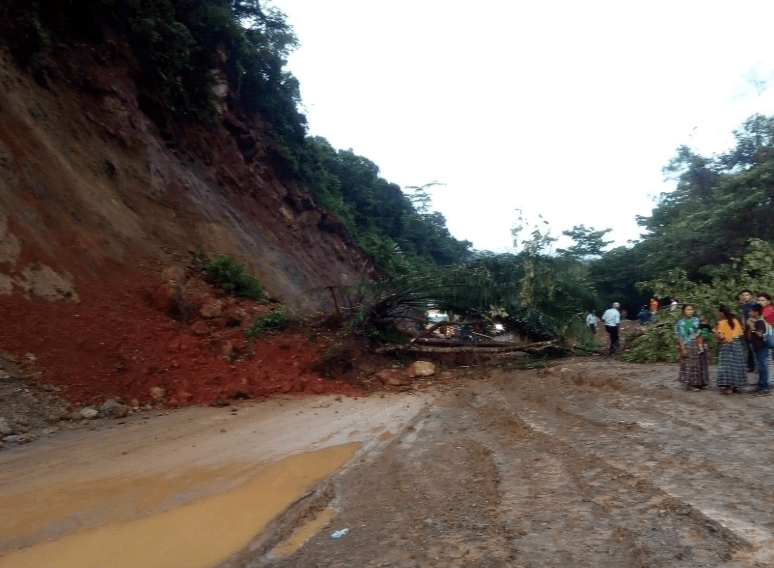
(756, 329)
(705, 332)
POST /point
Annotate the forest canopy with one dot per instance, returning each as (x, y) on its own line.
(706, 224)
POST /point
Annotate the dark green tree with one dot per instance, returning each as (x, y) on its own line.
(589, 242)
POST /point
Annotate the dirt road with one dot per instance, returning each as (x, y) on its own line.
(602, 464)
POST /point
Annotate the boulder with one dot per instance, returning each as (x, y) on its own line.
(5, 428)
(109, 407)
(121, 411)
(157, 394)
(199, 328)
(174, 275)
(211, 308)
(89, 413)
(421, 369)
(393, 377)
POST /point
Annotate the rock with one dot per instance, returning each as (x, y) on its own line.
(200, 328)
(89, 413)
(11, 439)
(76, 416)
(224, 347)
(5, 428)
(421, 369)
(157, 394)
(212, 308)
(121, 411)
(174, 275)
(393, 377)
(147, 407)
(109, 406)
(566, 373)
(135, 403)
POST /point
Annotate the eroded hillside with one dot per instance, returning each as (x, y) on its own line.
(90, 189)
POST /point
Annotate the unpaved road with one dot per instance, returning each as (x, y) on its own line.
(605, 464)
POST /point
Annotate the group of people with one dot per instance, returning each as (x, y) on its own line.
(743, 341)
(743, 345)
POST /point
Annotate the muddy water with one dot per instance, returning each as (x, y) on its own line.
(299, 537)
(199, 534)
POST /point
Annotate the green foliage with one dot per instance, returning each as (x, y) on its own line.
(658, 344)
(755, 271)
(397, 231)
(269, 323)
(588, 242)
(177, 43)
(536, 295)
(720, 202)
(28, 36)
(233, 277)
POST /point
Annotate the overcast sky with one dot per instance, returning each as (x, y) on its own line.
(565, 109)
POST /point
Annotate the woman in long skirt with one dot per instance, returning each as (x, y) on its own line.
(732, 360)
(694, 370)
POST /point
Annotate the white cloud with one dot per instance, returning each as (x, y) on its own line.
(567, 109)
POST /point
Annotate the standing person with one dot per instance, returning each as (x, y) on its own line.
(591, 321)
(694, 370)
(612, 317)
(653, 306)
(768, 316)
(768, 311)
(644, 316)
(756, 329)
(746, 299)
(731, 359)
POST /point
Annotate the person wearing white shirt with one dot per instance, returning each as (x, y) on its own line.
(591, 321)
(612, 317)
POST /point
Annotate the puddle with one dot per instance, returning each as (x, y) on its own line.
(60, 508)
(300, 536)
(198, 534)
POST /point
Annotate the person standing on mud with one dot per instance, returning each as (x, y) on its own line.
(694, 369)
(731, 358)
(746, 299)
(756, 329)
(591, 321)
(612, 317)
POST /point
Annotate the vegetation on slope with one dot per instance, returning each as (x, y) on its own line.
(178, 44)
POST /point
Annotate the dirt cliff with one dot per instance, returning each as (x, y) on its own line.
(96, 202)
(89, 188)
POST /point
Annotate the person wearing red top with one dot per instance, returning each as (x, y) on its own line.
(768, 316)
(768, 311)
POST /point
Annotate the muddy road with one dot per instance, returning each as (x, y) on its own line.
(597, 463)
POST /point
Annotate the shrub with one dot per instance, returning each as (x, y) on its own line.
(234, 278)
(267, 323)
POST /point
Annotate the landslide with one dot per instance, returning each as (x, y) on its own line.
(96, 203)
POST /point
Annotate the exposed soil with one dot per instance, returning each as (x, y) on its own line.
(602, 464)
(118, 343)
(591, 463)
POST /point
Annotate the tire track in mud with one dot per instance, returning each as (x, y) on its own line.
(592, 468)
(697, 449)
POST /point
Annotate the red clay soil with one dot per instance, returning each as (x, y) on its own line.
(113, 344)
